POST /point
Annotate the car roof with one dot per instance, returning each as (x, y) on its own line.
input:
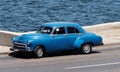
(60, 24)
(64, 24)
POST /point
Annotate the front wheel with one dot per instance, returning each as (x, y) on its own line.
(86, 48)
(39, 52)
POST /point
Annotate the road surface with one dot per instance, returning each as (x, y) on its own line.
(102, 59)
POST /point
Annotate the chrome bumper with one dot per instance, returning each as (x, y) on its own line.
(16, 49)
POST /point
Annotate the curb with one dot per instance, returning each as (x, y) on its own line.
(4, 53)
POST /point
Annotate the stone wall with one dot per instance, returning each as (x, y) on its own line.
(5, 38)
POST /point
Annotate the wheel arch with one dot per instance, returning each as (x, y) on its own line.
(87, 43)
(81, 41)
(43, 47)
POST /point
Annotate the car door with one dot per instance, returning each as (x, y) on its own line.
(72, 34)
(59, 39)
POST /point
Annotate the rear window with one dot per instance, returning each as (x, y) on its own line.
(72, 30)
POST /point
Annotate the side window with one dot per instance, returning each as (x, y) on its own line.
(72, 30)
(60, 30)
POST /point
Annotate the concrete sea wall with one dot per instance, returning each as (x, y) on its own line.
(109, 31)
(6, 36)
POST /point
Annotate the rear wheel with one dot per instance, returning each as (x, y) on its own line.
(86, 48)
(39, 51)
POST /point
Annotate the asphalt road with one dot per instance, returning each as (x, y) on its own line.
(102, 59)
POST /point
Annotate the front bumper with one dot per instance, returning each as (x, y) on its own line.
(16, 49)
(101, 43)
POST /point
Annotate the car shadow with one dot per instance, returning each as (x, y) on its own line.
(23, 55)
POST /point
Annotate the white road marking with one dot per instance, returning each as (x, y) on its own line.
(96, 65)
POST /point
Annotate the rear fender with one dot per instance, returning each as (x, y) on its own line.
(78, 43)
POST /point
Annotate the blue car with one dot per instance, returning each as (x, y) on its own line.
(56, 36)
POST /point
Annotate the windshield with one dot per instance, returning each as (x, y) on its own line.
(44, 29)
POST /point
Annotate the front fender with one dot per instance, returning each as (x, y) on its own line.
(35, 43)
(44, 42)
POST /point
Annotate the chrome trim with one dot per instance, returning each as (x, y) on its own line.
(24, 47)
(20, 45)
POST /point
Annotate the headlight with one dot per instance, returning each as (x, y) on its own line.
(28, 43)
(14, 39)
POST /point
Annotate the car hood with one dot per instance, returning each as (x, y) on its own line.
(26, 37)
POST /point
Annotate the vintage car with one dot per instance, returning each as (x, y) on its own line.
(56, 36)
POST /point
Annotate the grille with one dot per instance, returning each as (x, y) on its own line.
(19, 46)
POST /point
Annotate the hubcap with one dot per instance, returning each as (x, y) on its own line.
(86, 48)
(40, 52)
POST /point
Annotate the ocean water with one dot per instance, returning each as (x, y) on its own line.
(27, 15)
